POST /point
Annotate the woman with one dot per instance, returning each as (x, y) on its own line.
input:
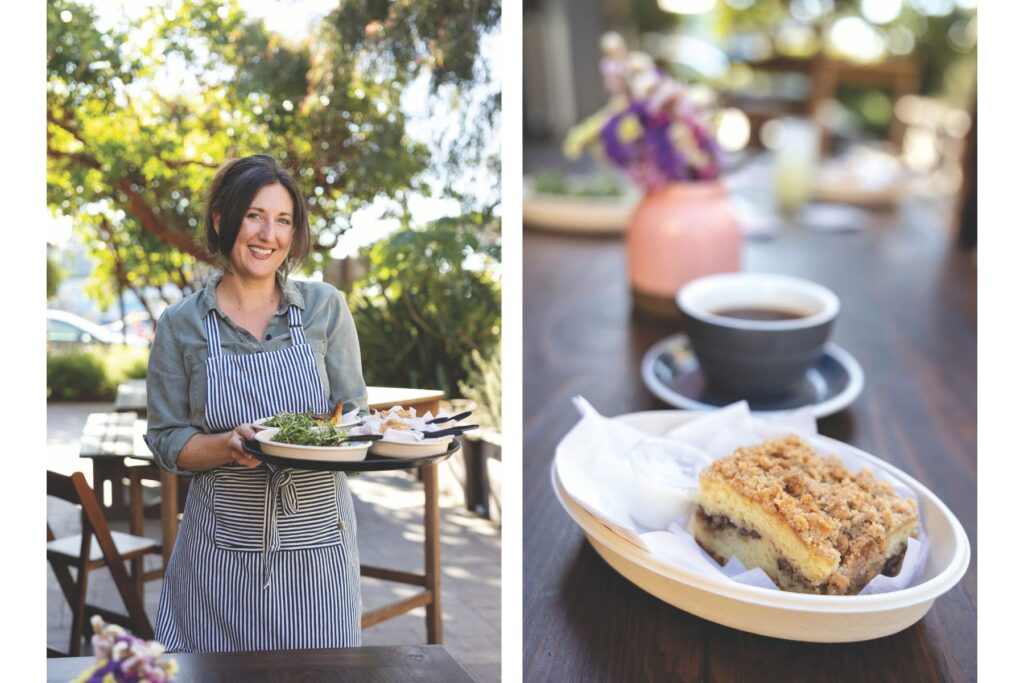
(264, 559)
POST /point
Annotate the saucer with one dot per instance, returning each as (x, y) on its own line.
(672, 373)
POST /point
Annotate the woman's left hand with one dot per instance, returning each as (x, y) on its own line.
(241, 433)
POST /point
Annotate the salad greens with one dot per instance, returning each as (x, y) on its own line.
(302, 429)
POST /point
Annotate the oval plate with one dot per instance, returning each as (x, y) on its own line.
(395, 449)
(780, 614)
(372, 463)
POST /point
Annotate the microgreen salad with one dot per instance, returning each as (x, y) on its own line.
(302, 429)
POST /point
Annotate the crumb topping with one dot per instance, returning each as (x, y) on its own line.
(831, 508)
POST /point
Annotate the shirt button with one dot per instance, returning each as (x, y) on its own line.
(268, 337)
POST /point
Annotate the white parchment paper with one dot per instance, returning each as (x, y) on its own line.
(417, 424)
(606, 467)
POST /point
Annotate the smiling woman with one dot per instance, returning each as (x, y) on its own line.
(255, 343)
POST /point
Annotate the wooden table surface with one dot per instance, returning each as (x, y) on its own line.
(909, 316)
(428, 663)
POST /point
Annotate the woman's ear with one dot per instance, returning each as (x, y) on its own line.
(216, 223)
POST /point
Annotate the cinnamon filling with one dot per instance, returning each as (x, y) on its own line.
(717, 523)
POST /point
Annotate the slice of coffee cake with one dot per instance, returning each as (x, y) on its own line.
(806, 520)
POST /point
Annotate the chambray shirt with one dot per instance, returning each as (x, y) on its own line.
(176, 389)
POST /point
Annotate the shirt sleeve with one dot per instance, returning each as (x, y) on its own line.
(167, 396)
(343, 360)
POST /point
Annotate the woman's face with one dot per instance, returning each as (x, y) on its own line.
(265, 235)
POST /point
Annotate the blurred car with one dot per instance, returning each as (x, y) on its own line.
(67, 329)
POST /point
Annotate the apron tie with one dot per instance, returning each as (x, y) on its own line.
(279, 485)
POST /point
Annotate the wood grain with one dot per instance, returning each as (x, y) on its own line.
(428, 663)
(908, 315)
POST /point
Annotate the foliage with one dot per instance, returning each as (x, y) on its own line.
(553, 182)
(431, 297)
(93, 374)
(77, 376)
(483, 386)
(54, 276)
(130, 153)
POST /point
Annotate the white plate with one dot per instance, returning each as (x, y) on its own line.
(259, 425)
(779, 614)
(352, 452)
(586, 215)
(396, 449)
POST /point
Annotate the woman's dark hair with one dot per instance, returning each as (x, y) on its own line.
(236, 183)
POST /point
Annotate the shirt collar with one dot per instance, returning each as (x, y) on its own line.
(290, 295)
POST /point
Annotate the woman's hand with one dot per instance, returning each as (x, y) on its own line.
(243, 432)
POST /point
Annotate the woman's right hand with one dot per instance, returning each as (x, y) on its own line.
(241, 433)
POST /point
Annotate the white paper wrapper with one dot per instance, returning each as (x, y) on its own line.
(606, 466)
(372, 424)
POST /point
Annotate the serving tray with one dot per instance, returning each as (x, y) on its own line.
(372, 463)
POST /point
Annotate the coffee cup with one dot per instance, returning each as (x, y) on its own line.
(755, 335)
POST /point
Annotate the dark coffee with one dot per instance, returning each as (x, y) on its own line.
(760, 313)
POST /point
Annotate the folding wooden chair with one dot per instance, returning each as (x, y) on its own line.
(96, 547)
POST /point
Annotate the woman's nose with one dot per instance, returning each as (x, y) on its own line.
(266, 230)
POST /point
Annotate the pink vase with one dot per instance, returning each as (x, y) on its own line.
(676, 234)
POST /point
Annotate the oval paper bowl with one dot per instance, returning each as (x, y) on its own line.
(397, 449)
(351, 452)
(780, 614)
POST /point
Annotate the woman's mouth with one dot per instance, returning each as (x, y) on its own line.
(260, 252)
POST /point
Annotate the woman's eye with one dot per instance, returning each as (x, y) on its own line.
(253, 216)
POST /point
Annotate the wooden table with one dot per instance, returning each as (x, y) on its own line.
(427, 663)
(909, 317)
(131, 397)
(382, 398)
(110, 441)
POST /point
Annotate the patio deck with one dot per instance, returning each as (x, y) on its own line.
(389, 509)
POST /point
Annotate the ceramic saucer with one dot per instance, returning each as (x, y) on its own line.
(672, 373)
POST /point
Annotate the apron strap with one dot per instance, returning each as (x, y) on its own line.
(212, 333)
(295, 325)
(213, 329)
(279, 484)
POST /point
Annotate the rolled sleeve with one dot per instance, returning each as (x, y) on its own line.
(343, 360)
(167, 392)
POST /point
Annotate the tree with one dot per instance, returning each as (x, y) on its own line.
(431, 297)
(138, 119)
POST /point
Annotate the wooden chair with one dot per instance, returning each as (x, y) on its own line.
(96, 547)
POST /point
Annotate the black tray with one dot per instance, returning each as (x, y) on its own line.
(372, 463)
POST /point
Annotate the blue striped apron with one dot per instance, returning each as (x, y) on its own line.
(266, 558)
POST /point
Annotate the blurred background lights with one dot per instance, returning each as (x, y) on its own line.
(934, 8)
(957, 123)
(919, 150)
(963, 35)
(909, 109)
(795, 39)
(740, 4)
(810, 10)
(733, 130)
(880, 12)
(686, 6)
(771, 134)
(901, 41)
(855, 38)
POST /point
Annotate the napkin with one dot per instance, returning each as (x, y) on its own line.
(373, 423)
(606, 467)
